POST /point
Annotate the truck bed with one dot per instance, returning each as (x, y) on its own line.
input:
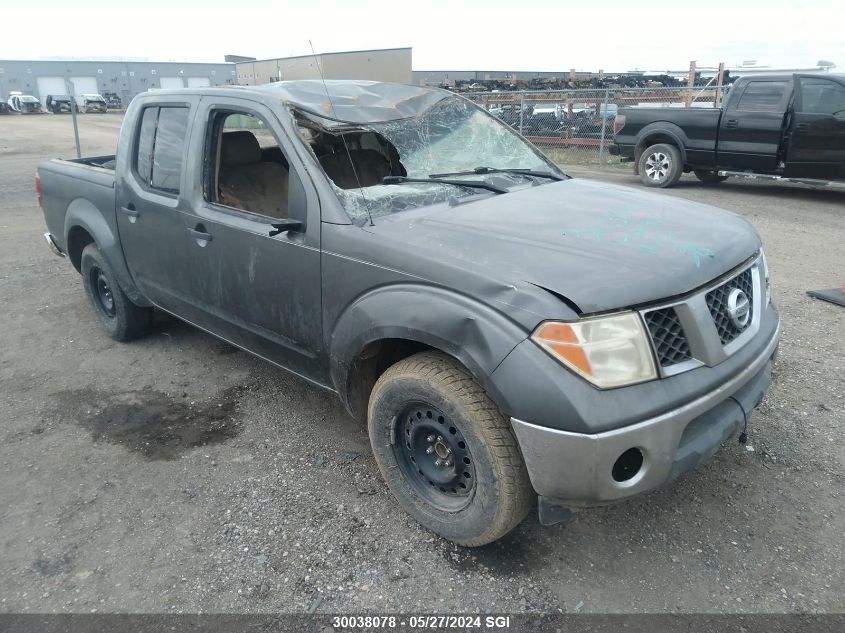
(79, 182)
(103, 162)
(697, 129)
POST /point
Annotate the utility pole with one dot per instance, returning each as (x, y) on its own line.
(71, 90)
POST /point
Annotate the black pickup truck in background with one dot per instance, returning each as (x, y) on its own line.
(777, 126)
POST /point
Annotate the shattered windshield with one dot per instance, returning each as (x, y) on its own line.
(451, 136)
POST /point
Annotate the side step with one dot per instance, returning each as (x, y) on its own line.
(812, 182)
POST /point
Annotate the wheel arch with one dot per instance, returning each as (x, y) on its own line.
(85, 224)
(661, 132)
(390, 324)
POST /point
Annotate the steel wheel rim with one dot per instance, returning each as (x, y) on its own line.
(657, 166)
(103, 292)
(434, 458)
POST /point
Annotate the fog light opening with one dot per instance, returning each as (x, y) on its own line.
(627, 465)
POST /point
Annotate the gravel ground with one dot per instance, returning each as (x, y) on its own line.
(178, 474)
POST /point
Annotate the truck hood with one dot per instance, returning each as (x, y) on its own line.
(600, 246)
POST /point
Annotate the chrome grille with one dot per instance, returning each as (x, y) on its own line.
(717, 303)
(698, 330)
(667, 334)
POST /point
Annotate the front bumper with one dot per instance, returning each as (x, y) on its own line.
(577, 469)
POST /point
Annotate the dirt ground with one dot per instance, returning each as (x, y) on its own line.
(177, 474)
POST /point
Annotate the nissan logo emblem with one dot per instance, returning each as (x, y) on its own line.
(739, 308)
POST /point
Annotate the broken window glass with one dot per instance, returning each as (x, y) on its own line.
(453, 135)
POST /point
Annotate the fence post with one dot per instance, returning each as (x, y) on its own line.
(603, 125)
(690, 84)
(718, 100)
(521, 110)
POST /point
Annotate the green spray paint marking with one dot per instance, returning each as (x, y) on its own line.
(645, 235)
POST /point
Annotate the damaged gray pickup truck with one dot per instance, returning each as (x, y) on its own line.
(508, 333)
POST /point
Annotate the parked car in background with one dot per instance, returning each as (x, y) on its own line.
(113, 100)
(91, 103)
(59, 103)
(4, 108)
(507, 333)
(23, 104)
(773, 126)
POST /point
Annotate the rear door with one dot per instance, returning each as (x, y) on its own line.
(752, 128)
(817, 131)
(151, 204)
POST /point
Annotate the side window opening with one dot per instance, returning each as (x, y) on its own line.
(763, 96)
(146, 139)
(160, 148)
(372, 156)
(822, 96)
(248, 170)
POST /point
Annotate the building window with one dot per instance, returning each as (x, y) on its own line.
(131, 73)
(99, 71)
(153, 71)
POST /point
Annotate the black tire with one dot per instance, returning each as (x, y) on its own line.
(709, 177)
(661, 166)
(121, 319)
(485, 492)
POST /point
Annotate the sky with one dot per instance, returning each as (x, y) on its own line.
(614, 35)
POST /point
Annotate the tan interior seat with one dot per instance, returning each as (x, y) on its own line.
(245, 182)
(372, 167)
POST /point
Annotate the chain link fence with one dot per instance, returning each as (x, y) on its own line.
(576, 127)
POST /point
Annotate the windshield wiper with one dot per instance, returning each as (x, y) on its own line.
(494, 170)
(476, 184)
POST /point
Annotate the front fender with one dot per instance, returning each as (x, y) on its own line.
(83, 214)
(475, 334)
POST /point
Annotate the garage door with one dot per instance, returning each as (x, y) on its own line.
(84, 85)
(198, 82)
(172, 82)
(50, 86)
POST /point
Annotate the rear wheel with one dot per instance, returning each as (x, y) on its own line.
(446, 451)
(709, 177)
(121, 319)
(661, 165)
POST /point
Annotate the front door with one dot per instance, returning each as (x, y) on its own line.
(817, 134)
(259, 288)
(151, 204)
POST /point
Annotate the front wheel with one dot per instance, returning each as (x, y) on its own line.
(446, 451)
(661, 165)
(709, 177)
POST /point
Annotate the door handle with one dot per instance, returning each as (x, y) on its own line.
(200, 235)
(130, 211)
(732, 124)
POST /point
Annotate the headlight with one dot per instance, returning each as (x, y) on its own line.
(611, 351)
(766, 285)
